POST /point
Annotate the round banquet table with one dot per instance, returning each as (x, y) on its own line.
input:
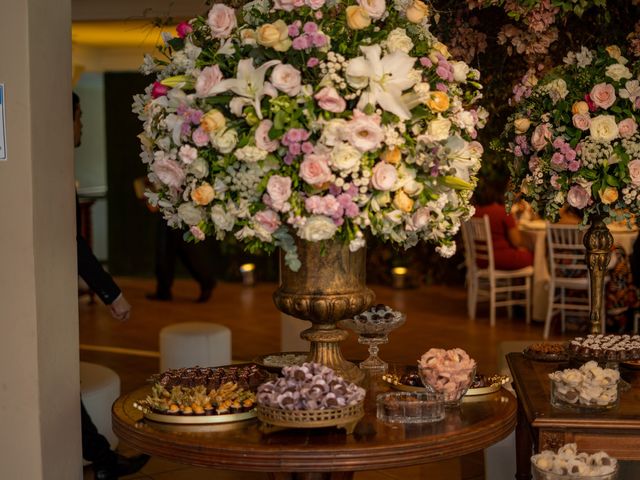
(326, 453)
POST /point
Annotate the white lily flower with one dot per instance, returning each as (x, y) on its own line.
(388, 77)
(249, 82)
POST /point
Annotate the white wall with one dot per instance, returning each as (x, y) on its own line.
(39, 380)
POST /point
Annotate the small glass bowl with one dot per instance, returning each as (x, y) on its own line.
(564, 396)
(453, 383)
(544, 475)
(408, 407)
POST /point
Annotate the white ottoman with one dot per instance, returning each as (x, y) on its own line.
(194, 343)
(99, 388)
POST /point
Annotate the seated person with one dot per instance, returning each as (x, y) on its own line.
(509, 250)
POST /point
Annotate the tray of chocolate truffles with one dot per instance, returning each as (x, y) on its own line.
(605, 348)
(546, 352)
(203, 395)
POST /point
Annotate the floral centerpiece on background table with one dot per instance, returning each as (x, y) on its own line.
(575, 137)
(316, 118)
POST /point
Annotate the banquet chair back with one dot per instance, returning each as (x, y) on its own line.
(569, 275)
(502, 288)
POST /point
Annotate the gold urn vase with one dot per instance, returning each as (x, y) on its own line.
(328, 287)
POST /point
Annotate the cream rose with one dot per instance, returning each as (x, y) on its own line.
(317, 228)
(521, 125)
(421, 217)
(557, 90)
(374, 8)
(627, 127)
(315, 170)
(581, 121)
(614, 52)
(634, 172)
(221, 20)
(225, 142)
(199, 168)
(608, 195)
(417, 11)
(274, 35)
(203, 195)
(190, 214)
(402, 201)
(439, 129)
(287, 79)
(357, 17)
(580, 107)
(169, 172)
(603, 95)
(617, 72)
(221, 219)
(398, 41)
(334, 132)
(213, 121)
(248, 36)
(345, 158)
(460, 71)
(384, 176)
(604, 128)
(578, 197)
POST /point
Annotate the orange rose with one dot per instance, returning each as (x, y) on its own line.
(609, 195)
(402, 201)
(438, 101)
(580, 108)
(357, 17)
(417, 11)
(213, 121)
(203, 195)
(391, 155)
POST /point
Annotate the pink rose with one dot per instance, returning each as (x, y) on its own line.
(627, 127)
(314, 4)
(286, 79)
(197, 233)
(364, 131)
(313, 204)
(554, 182)
(330, 100)
(169, 172)
(158, 90)
(208, 78)
(200, 137)
(314, 169)
(221, 20)
(541, 136)
(384, 176)
(420, 218)
(634, 171)
(183, 29)
(582, 121)
(268, 219)
(279, 190)
(287, 5)
(578, 197)
(262, 137)
(603, 95)
(374, 8)
(188, 154)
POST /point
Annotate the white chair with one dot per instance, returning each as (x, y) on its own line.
(569, 275)
(487, 283)
(99, 388)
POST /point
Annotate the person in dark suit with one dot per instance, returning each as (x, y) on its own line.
(107, 464)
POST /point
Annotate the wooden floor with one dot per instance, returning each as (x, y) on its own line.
(436, 317)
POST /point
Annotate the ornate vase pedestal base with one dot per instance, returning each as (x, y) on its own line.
(325, 349)
(598, 242)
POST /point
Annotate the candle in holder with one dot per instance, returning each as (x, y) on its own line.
(399, 277)
(247, 270)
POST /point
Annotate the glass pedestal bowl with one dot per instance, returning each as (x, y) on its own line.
(373, 327)
(452, 383)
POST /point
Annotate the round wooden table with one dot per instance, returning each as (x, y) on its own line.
(326, 453)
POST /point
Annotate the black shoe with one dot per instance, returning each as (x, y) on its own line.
(122, 467)
(205, 295)
(160, 297)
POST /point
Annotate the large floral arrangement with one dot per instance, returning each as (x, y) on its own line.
(317, 118)
(575, 139)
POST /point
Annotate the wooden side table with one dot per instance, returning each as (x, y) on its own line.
(320, 453)
(542, 427)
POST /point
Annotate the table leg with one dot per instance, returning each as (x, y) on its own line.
(524, 446)
(311, 476)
